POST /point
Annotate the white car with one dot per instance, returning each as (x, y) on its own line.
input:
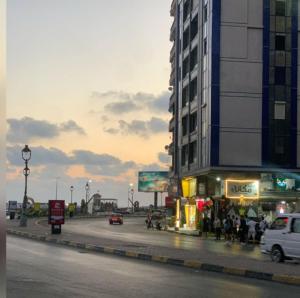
(282, 239)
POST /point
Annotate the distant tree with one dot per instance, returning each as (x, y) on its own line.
(82, 206)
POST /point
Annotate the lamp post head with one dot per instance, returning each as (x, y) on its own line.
(71, 187)
(26, 153)
(87, 186)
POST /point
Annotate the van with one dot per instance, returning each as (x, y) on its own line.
(282, 239)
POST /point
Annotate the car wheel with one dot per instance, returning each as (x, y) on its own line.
(277, 254)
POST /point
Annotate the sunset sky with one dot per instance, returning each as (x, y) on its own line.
(87, 90)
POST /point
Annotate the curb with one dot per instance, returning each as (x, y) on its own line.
(195, 264)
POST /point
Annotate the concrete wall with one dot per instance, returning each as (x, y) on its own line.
(241, 82)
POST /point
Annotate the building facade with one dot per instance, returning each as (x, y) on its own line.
(235, 102)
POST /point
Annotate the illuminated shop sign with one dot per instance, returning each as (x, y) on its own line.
(246, 189)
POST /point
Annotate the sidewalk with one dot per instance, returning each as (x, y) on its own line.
(212, 260)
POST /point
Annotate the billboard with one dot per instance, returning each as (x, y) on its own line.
(156, 181)
(56, 215)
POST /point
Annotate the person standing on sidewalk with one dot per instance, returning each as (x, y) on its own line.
(251, 229)
(217, 226)
(242, 230)
(228, 229)
(205, 225)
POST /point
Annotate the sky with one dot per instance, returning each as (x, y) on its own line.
(87, 90)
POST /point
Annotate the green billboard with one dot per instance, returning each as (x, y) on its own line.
(155, 181)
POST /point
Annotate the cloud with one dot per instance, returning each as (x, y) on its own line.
(26, 129)
(128, 102)
(97, 164)
(121, 107)
(163, 157)
(70, 126)
(139, 127)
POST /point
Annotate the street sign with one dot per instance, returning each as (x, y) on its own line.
(56, 215)
(12, 205)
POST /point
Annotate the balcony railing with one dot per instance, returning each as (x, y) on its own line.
(173, 31)
(173, 8)
(172, 78)
(172, 53)
(172, 124)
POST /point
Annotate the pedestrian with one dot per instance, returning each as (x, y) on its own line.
(149, 221)
(217, 226)
(234, 228)
(228, 229)
(251, 229)
(205, 225)
(242, 230)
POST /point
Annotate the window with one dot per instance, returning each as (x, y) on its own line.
(280, 42)
(185, 67)
(193, 122)
(186, 38)
(280, 94)
(192, 152)
(193, 89)
(280, 24)
(280, 8)
(205, 46)
(184, 126)
(186, 10)
(185, 96)
(205, 16)
(279, 75)
(194, 58)
(296, 225)
(194, 27)
(279, 223)
(184, 155)
(279, 111)
(279, 145)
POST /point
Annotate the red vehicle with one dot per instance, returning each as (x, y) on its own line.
(116, 218)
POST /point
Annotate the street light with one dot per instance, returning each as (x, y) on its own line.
(132, 192)
(87, 190)
(26, 155)
(71, 189)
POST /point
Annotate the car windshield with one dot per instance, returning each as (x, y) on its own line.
(279, 223)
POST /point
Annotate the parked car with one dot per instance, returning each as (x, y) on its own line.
(116, 218)
(282, 239)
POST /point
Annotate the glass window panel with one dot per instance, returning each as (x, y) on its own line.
(288, 24)
(288, 93)
(280, 24)
(272, 7)
(288, 8)
(280, 42)
(280, 75)
(280, 58)
(279, 111)
(279, 92)
(288, 42)
(288, 76)
(280, 8)
(272, 58)
(288, 59)
(272, 41)
(271, 92)
(271, 76)
(272, 24)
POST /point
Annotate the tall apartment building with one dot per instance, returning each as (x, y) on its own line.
(235, 101)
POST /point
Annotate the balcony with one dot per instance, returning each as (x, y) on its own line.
(172, 78)
(172, 53)
(173, 31)
(171, 102)
(171, 149)
(172, 124)
(173, 8)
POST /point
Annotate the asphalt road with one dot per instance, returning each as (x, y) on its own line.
(134, 229)
(39, 270)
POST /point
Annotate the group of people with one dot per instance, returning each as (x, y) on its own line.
(237, 228)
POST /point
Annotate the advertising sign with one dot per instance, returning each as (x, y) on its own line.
(56, 212)
(242, 189)
(12, 205)
(169, 202)
(36, 206)
(153, 182)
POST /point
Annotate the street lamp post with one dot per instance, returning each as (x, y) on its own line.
(26, 155)
(132, 192)
(71, 189)
(87, 190)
